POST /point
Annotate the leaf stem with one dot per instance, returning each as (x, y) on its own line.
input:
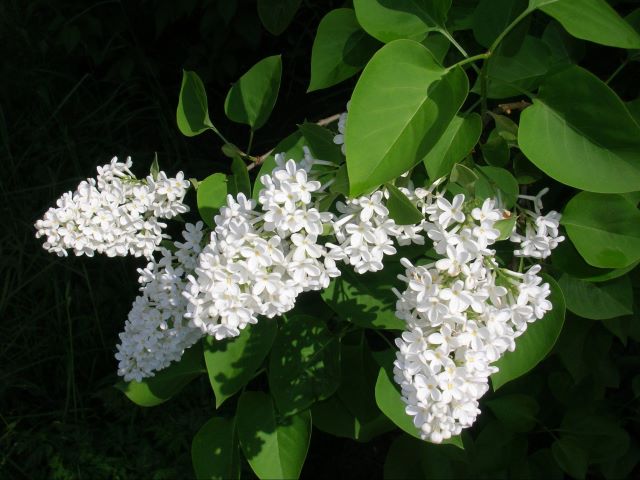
(617, 71)
(217, 132)
(250, 142)
(480, 56)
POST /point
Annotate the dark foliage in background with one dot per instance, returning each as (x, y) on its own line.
(81, 82)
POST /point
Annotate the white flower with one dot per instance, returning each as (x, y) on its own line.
(114, 214)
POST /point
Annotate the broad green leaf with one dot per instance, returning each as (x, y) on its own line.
(193, 112)
(251, 99)
(535, 343)
(605, 229)
(340, 50)
(593, 20)
(276, 15)
(291, 146)
(232, 362)
(401, 106)
(598, 301)
(274, 446)
(505, 226)
(495, 150)
(634, 109)
(166, 383)
(304, 364)
(567, 259)
(211, 195)
(506, 128)
(389, 20)
(239, 181)
(517, 412)
(497, 182)
(463, 176)
(352, 411)
(215, 450)
(438, 45)
(455, 143)
(579, 132)
(319, 140)
(366, 300)
(401, 210)
(511, 75)
(491, 18)
(571, 458)
(390, 402)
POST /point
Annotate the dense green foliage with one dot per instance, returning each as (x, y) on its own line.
(502, 96)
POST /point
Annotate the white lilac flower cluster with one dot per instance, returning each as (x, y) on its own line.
(338, 139)
(541, 233)
(365, 233)
(114, 214)
(261, 256)
(462, 312)
(156, 333)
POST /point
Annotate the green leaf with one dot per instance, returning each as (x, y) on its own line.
(496, 150)
(579, 132)
(276, 15)
(352, 411)
(340, 50)
(598, 301)
(193, 112)
(455, 143)
(392, 20)
(593, 20)
(401, 106)
(389, 400)
(567, 259)
(497, 182)
(166, 383)
(304, 365)
(211, 195)
(511, 75)
(319, 140)
(251, 99)
(517, 412)
(155, 168)
(366, 300)
(605, 229)
(401, 210)
(232, 362)
(535, 343)
(571, 458)
(505, 226)
(214, 450)
(239, 182)
(409, 458)
(491, 18)
(274, 446)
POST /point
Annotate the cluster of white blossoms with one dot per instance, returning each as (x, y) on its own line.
(541, 233)
(156, 332)
(338, 139)
(261, 256)
(462, 312)
(114, 214)
(365, 233)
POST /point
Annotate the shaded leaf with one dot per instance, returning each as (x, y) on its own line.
(215, 450)
(401, 210)
(251, 99)
(598, 301)
(276, 15)
(211, 195)
(193, 112)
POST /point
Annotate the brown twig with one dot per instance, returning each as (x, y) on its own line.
(509, 107)
(261, 158)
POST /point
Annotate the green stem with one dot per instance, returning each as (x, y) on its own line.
(217, 132)
(250, 142)
(617, 71)
(492, 48)
(480, 56)
(453, 41)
